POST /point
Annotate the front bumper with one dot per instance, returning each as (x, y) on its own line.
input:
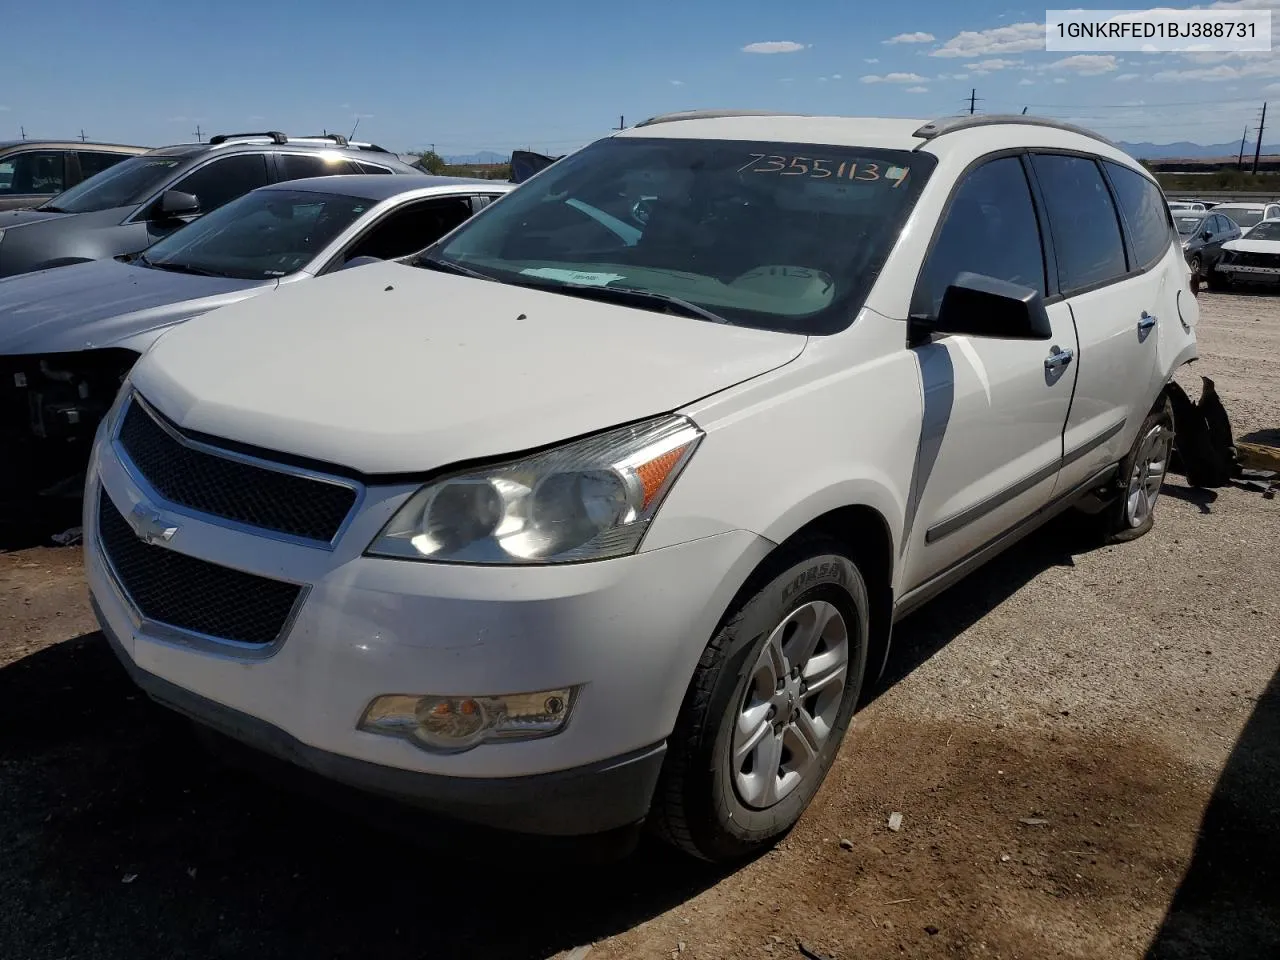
(1249, 274)
(629, 631)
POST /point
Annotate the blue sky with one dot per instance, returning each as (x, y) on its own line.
(553, 74)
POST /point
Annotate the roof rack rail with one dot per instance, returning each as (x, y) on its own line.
(275, 135)
(337, 138)
(712, 115)
(944, 125)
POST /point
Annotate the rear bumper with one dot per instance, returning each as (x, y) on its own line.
(582, 801)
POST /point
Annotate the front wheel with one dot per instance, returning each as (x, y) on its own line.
(767, 708)
(1142, 471)
(1218, 280)
(1195, 263)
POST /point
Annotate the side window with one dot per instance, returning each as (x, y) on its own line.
(34, 172)
(1082, 220)
(363, 167)
(225, 179)
(91, 163)
(989, 229)
(1142, 204)
(295, 166)
(411, 228)
(1219, 225)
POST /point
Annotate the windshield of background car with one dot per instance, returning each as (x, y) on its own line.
(124, 184)
(1268, 230)
(781, 236)
(1243, 218)
(260, 236)
(1187, 225)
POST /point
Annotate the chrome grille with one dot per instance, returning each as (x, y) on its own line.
(231, 488)
(192, 594)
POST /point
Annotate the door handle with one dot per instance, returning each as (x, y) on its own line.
(1059, 358)
(1147, 321)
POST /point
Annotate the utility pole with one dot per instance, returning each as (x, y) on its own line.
(24, 132)
(1024, 111)
(1257, 150)
(199, 135)
(622, 123)
(83, 138)
(1240, 159)
(973, 99)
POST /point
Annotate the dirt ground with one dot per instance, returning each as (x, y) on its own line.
(1084, 745)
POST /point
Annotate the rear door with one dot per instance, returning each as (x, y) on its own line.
(1115, 295)
(991, 440)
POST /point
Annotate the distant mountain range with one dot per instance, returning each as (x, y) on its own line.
(1186, 149)
(484, 156)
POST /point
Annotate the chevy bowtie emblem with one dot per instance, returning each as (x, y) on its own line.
(149, 525)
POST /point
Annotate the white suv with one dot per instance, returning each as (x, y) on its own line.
(602, 509)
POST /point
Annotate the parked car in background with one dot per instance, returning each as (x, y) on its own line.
(1248, 215)
(1203, 235)
(131, 205)
(33, 171)
(1186, 206)
(602, 513)
(69, 336)
(1251, 259)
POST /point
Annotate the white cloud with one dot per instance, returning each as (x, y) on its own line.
(1258, 69)
(871, 60)
(1085, 64)
(1059, 79)
(1126, 77)
(1024, 82)
(917, 89)
(257, 116)
(987, 66)
(1271, 88)
(787, 80)
(773, 46)
(3, 108)
(836, 76)
(918, 37)
(676, 83)
(1015, 38)
(894, 78)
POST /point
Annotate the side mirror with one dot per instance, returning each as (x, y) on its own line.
(1206, 235)
(175, 203)
(982, 306)
(359, 262)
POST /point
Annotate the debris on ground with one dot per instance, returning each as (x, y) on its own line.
(846, 844)
(895, 821)
(810, 953)
(69, 538)
(129, 878)
(1033, 822)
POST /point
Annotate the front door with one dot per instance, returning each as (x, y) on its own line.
(994, 409)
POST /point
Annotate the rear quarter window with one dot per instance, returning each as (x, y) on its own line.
(1144, 211)
(1082, 220)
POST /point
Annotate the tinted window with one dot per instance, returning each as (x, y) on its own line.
(1187, 225)
(991, 229)
(1220, 225)
(34, 172)
(1142, 204)
(785, 236)
(225, 179)
(122, 185)
(1244, 217)
(293, 166)
(368, 167)
(1086, 233)
(1269, 230)
(94, 163)
(410, 229)
(261, 235)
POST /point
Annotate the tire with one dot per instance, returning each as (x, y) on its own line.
(1132, 514)
(724, 812)
(1217, 281)
(1195, 264)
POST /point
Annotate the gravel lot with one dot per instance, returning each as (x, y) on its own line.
(1084, 745)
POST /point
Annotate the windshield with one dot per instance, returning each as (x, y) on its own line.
(260, 236)
(1243, 218)
(1187, 225)
(1267, 230)
(782, 236)
(122, 185)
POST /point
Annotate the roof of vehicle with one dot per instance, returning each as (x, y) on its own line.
(229, 142)
(379, 186)
(1247, 205)
(978, 131)
(71, 145)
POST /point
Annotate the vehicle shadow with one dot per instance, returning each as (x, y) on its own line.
(1269, 437)
(1228, 903)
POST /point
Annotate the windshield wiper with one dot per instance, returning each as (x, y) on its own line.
(448, 266)
(629, 296)
(178, 267)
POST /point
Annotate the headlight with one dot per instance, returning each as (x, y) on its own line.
(587, 500)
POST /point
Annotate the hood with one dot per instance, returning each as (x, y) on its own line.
(97, 304)
(17, 218)
(395, 369)
(1245, 245)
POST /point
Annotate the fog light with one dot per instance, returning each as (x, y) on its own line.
(453, 724)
